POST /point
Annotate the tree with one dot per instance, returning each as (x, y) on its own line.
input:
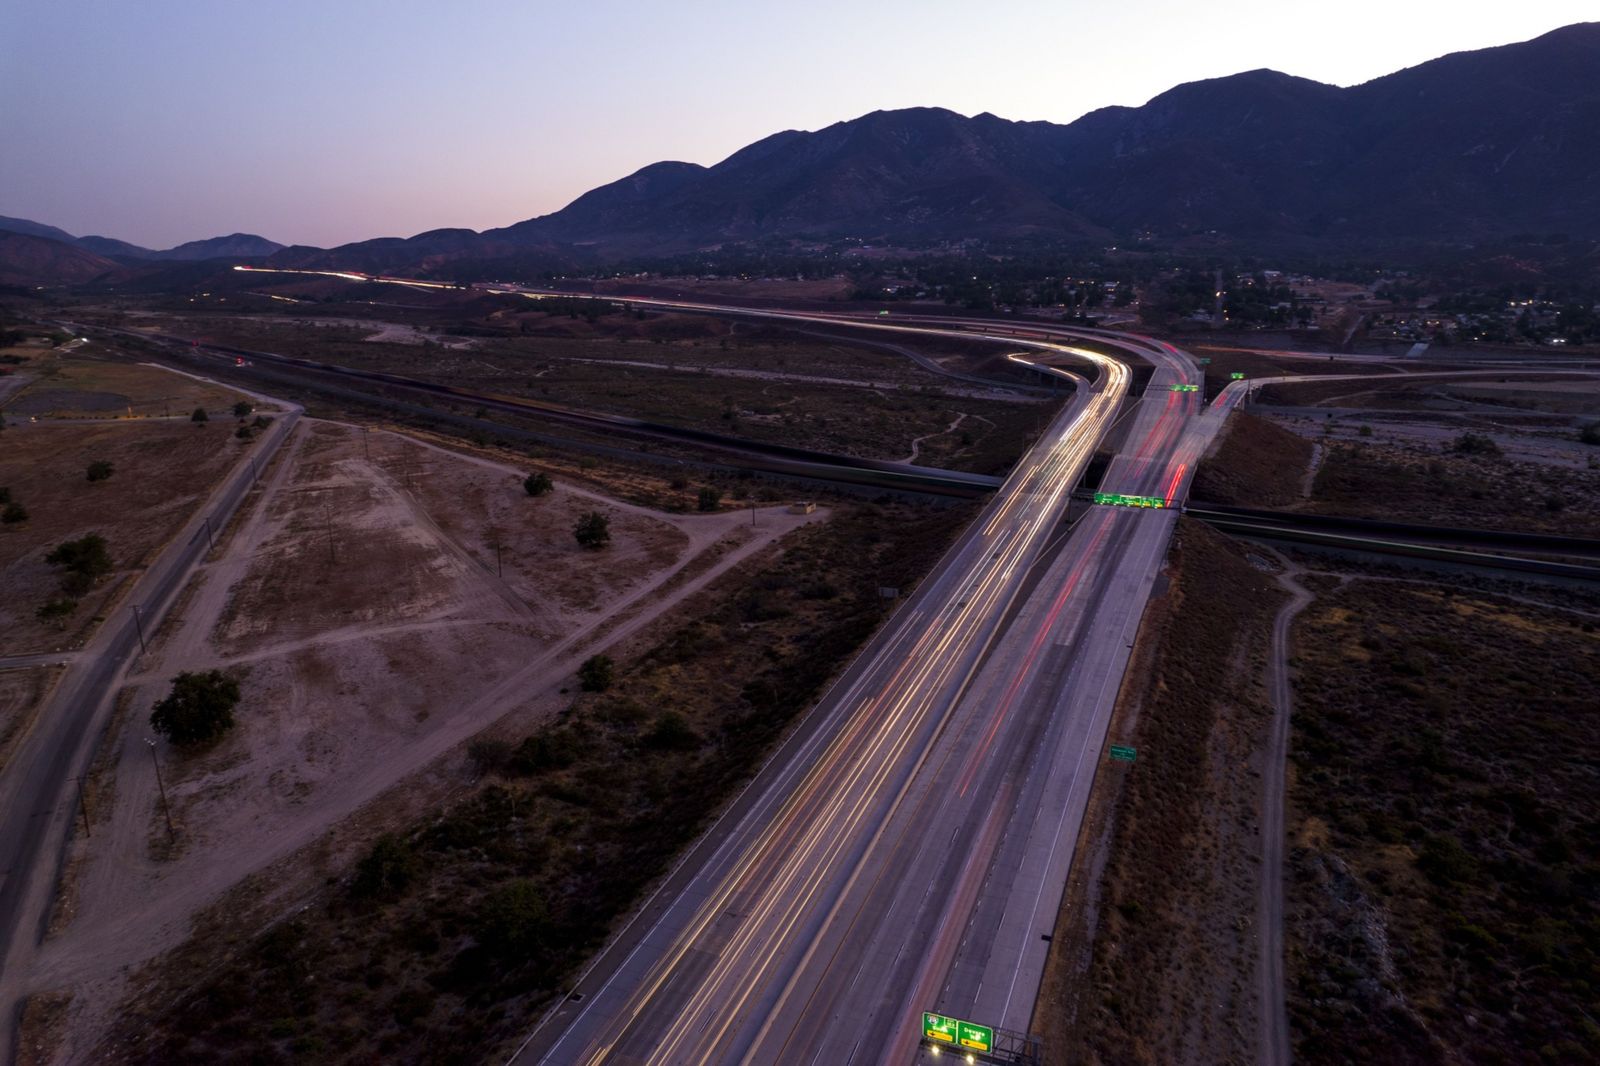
(242, 408)
(82, 560)
(592, 531)
(596, 673)
(13, 513)
(1590, 434)
(710, 498)
(537, 484)
(100, 469)
(199, 415)
(199, 707)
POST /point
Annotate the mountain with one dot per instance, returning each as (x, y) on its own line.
(35, 229)
(26, 259)
(233, 246)
(1473, 146)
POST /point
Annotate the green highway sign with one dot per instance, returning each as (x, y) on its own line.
(954, 1032)
(1122, 753)
(1237, 375)
(1122, 499)
(977, 1037)
(1205, 360)
(1186, 388)
(939, 1028)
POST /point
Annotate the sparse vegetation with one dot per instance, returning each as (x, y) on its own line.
(199, 708)
(99, 470)
(1446, 865)
(1166, 958)
(710, 498)
(537, 484)
(13, 513)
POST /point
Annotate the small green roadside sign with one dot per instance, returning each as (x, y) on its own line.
(1205, 360)
(1124, 754)
(1237, 375)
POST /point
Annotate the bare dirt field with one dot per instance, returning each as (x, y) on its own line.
(80, 386)
(162, 469)
(733, 378)
(21, 692)
(373, 625)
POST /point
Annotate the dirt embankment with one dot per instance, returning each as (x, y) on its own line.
(1256, 464)
(1444, 830)
(1153, 954)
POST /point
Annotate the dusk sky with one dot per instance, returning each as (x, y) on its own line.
(323, 122)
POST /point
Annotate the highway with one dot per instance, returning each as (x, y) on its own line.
(38, 785)
(908, 848)
(910, 852)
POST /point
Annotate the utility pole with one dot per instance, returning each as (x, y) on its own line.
(327, 511)
(366, 437)
(210, 543)
(166, 808)
(752, 514)
(83, 806)
(138, 626)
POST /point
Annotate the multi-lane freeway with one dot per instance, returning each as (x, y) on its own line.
(908, 851)
(908, 848)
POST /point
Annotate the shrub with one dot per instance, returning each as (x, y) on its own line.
(592, 531)
(537, 484)
(99, 470)
(199, 707)
(199, 415)
(1590, 434)
(514, 918)
(386, 870)
(548, 749)
(1475, 444)
(710, 498)
(5, 494)
(13, 513)
(672, 733)
(596, 673)
(241, 409)
(56, 608)
(243, 433)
